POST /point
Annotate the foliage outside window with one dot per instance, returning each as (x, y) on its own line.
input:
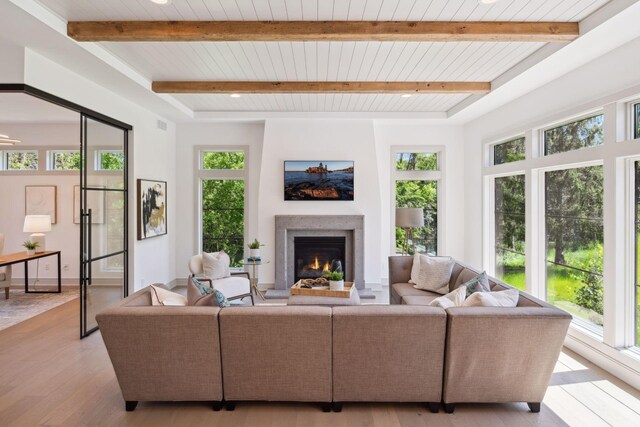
(579, 134)
(416, 161)
(114, 219)
(65, 160)
(636, 121)
(419, 194)
(212, 160)
(510, 230)
(509, 151)
(574, 241)
(223, 217)
(112, 160)
(21, 160)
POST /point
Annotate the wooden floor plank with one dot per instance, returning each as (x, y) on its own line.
(49, 376)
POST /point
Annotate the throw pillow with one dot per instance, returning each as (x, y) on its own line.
(201, 294)
(160, 296)
(433, 273)
(452, 299)
(215, 265)
(508, 298)
(480, 283)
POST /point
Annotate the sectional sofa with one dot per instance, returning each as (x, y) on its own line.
(491, 354)
(333, 355)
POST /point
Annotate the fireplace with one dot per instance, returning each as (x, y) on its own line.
(314, 255)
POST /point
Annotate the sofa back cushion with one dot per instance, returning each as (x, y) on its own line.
(388, 353)
(277, 353)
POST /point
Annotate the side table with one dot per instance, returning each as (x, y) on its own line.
(254, 274)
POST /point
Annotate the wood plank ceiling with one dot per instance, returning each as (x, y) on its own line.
(323, 61)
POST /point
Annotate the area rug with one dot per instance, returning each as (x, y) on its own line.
(20, 306)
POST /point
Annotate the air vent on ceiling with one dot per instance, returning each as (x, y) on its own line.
(162, 125)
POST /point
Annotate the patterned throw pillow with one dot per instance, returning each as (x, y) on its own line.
(206, 290)
(480, 283)
(431, 273)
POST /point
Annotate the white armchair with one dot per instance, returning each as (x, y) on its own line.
(236, 286)
(5, 272)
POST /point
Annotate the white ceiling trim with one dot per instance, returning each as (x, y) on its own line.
(262, 115)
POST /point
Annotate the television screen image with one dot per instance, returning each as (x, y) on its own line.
(318, 180)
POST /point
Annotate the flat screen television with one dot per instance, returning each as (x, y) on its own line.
(318, 180)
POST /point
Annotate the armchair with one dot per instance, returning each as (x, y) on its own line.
(236, 286)
(5, 272)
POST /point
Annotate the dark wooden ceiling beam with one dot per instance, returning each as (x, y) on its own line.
(418, 31)
(228, 87)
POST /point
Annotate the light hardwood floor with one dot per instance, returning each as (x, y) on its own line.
(48, 376)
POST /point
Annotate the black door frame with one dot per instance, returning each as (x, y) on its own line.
(94, 115)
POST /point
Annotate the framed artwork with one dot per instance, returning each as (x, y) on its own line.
(152, 208)
(41, 200)
(95, 202)
(318, 180)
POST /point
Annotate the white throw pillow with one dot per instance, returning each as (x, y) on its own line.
(432, 273)
(508, 298)
(160, 296)
(215, 265)
(454, 298)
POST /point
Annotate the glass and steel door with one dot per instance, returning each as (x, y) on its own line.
(103, 219)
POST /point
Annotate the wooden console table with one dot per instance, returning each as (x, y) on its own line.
(19, 257)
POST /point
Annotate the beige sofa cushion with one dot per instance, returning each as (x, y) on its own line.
(419, 299)
(411, 338)
(277, 353)
(406, 289)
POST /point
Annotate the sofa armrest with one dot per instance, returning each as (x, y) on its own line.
(164, 353)
(497, 354)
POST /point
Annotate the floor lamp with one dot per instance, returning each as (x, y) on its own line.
(408, 219)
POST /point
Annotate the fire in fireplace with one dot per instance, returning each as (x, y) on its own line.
(315, 255)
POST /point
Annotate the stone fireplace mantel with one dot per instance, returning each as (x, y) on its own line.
(289, 226)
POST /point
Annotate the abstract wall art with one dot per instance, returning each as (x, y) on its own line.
(152, 208)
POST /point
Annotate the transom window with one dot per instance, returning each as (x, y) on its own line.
(509, 151)
(20, 160)
(417, 161)
(636, 121)
(219, 160)
(110, 160)
(582, 133)
(64, 160)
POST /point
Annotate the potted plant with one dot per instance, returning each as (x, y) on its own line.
(336, 280)
(254, 250)
(31, 247)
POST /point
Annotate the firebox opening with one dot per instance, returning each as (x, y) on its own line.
(315, 255)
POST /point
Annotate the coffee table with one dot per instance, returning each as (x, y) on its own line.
(354, 299)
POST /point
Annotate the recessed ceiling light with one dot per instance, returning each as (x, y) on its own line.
(487, 1)
(235, 95)
(161, 1)
(405, 95)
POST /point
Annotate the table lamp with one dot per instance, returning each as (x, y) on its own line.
(408, 219)
(38, 225)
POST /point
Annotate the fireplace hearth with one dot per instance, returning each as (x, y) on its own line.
(314, 255)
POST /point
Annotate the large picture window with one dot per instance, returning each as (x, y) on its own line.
(510, 230)
(223, 203)
(583, 133)
(574, 241)
(636, 276)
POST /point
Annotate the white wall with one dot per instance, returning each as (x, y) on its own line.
(65, 235)
(152, 156)
(368, 143)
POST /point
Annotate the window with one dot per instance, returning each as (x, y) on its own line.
(636, 121)
(509, 151)
(211, 160)
(419, 194)
(21, 160)
(574, 241)
(416, 179)
(575, 135)
(110, 160)
(222, 186)
(510, 230)
(416, 161)
(637, 252)
(64, 160)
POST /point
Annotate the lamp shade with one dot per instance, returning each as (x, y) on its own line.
(37, 223)
(409, 217)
